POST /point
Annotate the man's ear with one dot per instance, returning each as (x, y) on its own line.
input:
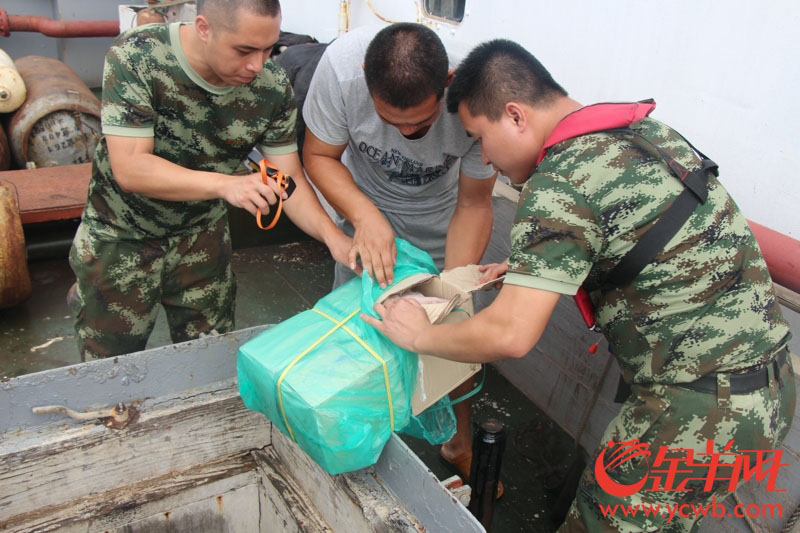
(202, 27)
(449, 79)
(517, 114)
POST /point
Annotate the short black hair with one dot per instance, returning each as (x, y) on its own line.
(497, 72)
(405, 64)
(222, 13)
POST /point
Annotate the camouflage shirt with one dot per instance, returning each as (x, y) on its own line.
(150, 90)
(705, 303)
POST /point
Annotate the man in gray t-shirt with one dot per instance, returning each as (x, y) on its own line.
(391, 162)
(395, 165)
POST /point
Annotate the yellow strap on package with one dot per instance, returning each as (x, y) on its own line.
(315, 344)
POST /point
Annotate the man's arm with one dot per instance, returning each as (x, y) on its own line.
(373, 239)
(304, 209)
(138, 170)
(471, 226)
(508, 328)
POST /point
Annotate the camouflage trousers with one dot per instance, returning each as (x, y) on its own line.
(669, 417)
(121, 283)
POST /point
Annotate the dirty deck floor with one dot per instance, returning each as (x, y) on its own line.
(274, 283)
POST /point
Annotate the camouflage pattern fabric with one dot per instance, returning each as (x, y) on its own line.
(121, 283)
(704, 304)
(132, 252)
(150, 90)
(678, 418)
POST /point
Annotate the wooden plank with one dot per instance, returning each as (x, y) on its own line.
(353, 502)
(189, 441)
(173, 436)
(53, 193)
(132, 503)
(148, 374)
(287, 508)
(235, 510)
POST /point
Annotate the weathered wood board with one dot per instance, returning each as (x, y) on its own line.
(195, 459)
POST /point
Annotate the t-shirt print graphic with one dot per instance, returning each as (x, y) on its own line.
(406, 171)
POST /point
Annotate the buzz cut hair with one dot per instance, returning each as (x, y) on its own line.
(222, 13)
(405, 64)
(497, 72)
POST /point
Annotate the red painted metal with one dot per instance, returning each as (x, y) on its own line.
(57, 28)
(53, 193)
(782, 254)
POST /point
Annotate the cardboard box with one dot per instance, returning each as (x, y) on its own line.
(437, 376)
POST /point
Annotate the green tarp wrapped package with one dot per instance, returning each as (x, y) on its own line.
(334, 384)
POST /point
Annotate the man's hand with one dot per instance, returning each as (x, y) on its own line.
(373, 241)
(250, 193)
(493, 271)
(340, 246)
(403, 320)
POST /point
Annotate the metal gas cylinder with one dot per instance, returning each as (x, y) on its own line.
(59, 123)
(15, 282)
(12, 88)
(5, 151)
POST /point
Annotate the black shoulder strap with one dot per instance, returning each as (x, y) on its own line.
(695, 191)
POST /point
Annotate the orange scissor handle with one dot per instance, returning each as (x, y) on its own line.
(269, 171)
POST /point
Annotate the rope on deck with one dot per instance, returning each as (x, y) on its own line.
(793, 520)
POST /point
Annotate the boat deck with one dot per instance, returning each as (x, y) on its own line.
(274, 283)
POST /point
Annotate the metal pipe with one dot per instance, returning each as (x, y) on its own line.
(787, 298)
(53, 249)
(57, 28)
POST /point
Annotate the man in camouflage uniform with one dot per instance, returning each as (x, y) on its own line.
(182, 107)
(698, 333)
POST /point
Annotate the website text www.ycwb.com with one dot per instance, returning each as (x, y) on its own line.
(690, 511)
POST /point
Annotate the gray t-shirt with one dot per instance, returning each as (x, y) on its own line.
(404, 177)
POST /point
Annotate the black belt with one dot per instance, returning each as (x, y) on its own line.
(740, 383)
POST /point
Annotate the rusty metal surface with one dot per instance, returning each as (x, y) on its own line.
(46, 194)
(5, 151)
(4, 23)
(57, 28)
(63, 138)
(54, 88)
(117, 417)
(15, 283)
